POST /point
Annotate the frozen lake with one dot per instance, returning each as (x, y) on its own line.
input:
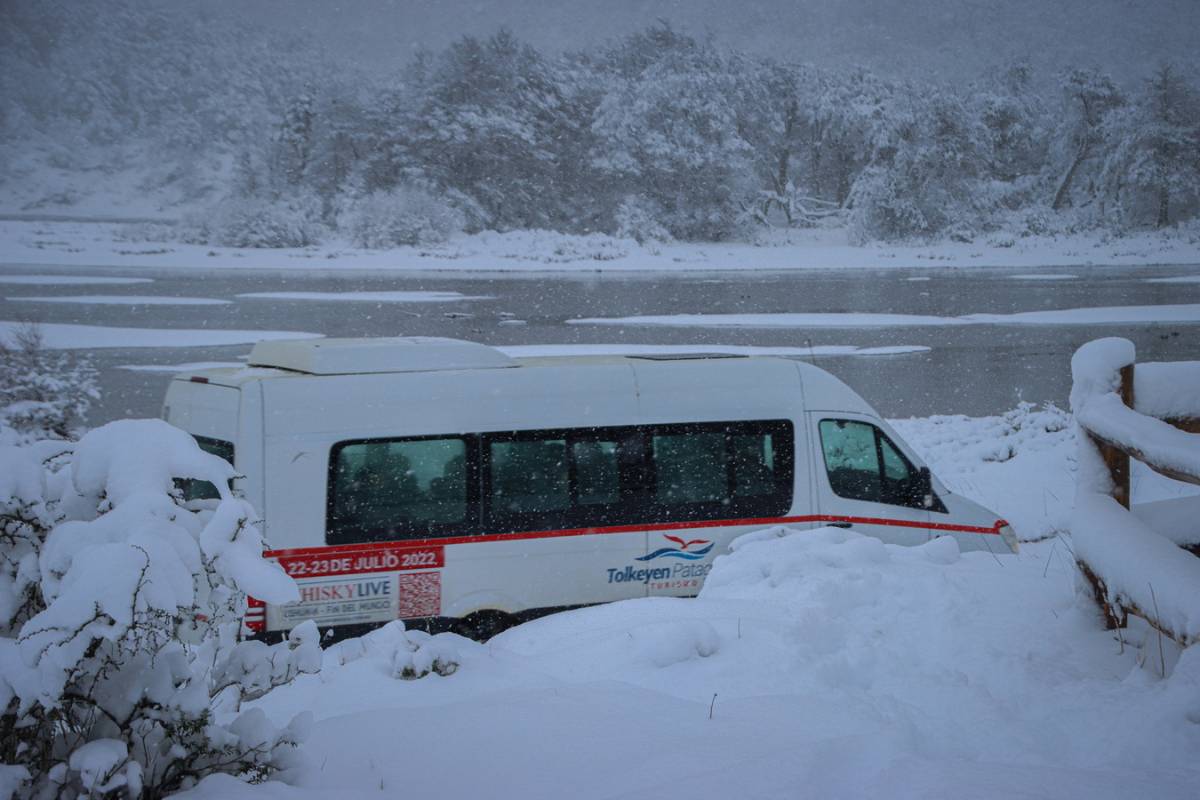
(974, 369)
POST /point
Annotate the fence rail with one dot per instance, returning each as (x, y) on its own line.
(1131, 568)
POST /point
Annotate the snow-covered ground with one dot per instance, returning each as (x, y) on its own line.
(149, 245)
(814, 664)
(1184, 312)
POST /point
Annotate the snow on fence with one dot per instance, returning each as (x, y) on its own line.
(1152, 415)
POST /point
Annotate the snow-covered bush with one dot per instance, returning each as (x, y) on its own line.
(402, 216)
(43, 393)
(408, 655)
(121, 669)
(550, 247)
(638, 219)
(258, 222)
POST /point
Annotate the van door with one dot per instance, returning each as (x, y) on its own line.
(864, 481)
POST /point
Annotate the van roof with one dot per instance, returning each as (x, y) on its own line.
(393, 354)
(348, 357)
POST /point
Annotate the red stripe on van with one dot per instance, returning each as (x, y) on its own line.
(651, 527)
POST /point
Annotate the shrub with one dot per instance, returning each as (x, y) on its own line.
(638, 218)
(43, 393)
(121, 668)
(402, 216)
(258, 222)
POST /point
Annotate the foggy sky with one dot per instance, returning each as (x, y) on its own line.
(942, 39)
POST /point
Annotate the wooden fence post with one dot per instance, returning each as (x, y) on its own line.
(1118, 470)
(1116, 460)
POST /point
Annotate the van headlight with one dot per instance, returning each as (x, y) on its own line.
(1010, 537)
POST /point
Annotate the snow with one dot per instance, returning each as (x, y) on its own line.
(1138, 565)
(1157, 442)
(1101, 315)
(1017, 464)
(1167, 390)
(69, 280)
(1069, 316)
(831, 320)
(1095, 366)
(832, 663)
(96, 760)
(60, 336)
(1176, 279)
(1177, 519)
(1169, 387)
(841, 667)
(816, 663)
(1044, 276)
(123, 300)
(366, 297)
(127, 606)
(538, 350)
(93, 244)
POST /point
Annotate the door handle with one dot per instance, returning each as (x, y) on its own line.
(841, 524)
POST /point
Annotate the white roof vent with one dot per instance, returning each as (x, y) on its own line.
(398, 354)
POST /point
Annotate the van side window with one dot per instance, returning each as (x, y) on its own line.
(863, 464)
(690, 468)
(753, 465)
(597, 471)
(489, 483)
(529, 476)
(383, 490)
(193, 489)
(721, 470)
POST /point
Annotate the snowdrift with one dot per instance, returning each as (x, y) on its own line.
(814, 663)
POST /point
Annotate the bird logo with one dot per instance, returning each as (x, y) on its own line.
(682, 550)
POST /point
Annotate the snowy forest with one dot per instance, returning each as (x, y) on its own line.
(659, 135)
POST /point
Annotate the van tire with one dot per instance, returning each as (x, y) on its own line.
(483, 625)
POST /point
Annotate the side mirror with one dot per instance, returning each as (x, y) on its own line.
(924, 487)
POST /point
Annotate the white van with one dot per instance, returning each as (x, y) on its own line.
(442, 481)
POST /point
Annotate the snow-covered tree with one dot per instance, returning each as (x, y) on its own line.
(487, 125)
(43, 393)
(668, 127)
(122, 669)
(1012, 112)
(928, 179)
(1152, 169)
(402, 216)
(638, 218)
(294, 143)
(1088, 97)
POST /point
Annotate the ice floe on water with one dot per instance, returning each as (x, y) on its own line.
(536, 350)
(58, 336)
(1043, 276)
(1176, 279)
(123, 300)
(1103, 315)
(365, 297)
(70, 280)
(804, 320)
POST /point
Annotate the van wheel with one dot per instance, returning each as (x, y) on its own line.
(483, 625)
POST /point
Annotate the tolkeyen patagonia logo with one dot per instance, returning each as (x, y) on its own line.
(703, 546)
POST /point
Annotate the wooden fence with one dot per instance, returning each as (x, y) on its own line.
(1123, 573)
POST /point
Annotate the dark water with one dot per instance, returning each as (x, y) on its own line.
(976, 369)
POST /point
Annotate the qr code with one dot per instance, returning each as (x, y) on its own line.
(420, 594)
